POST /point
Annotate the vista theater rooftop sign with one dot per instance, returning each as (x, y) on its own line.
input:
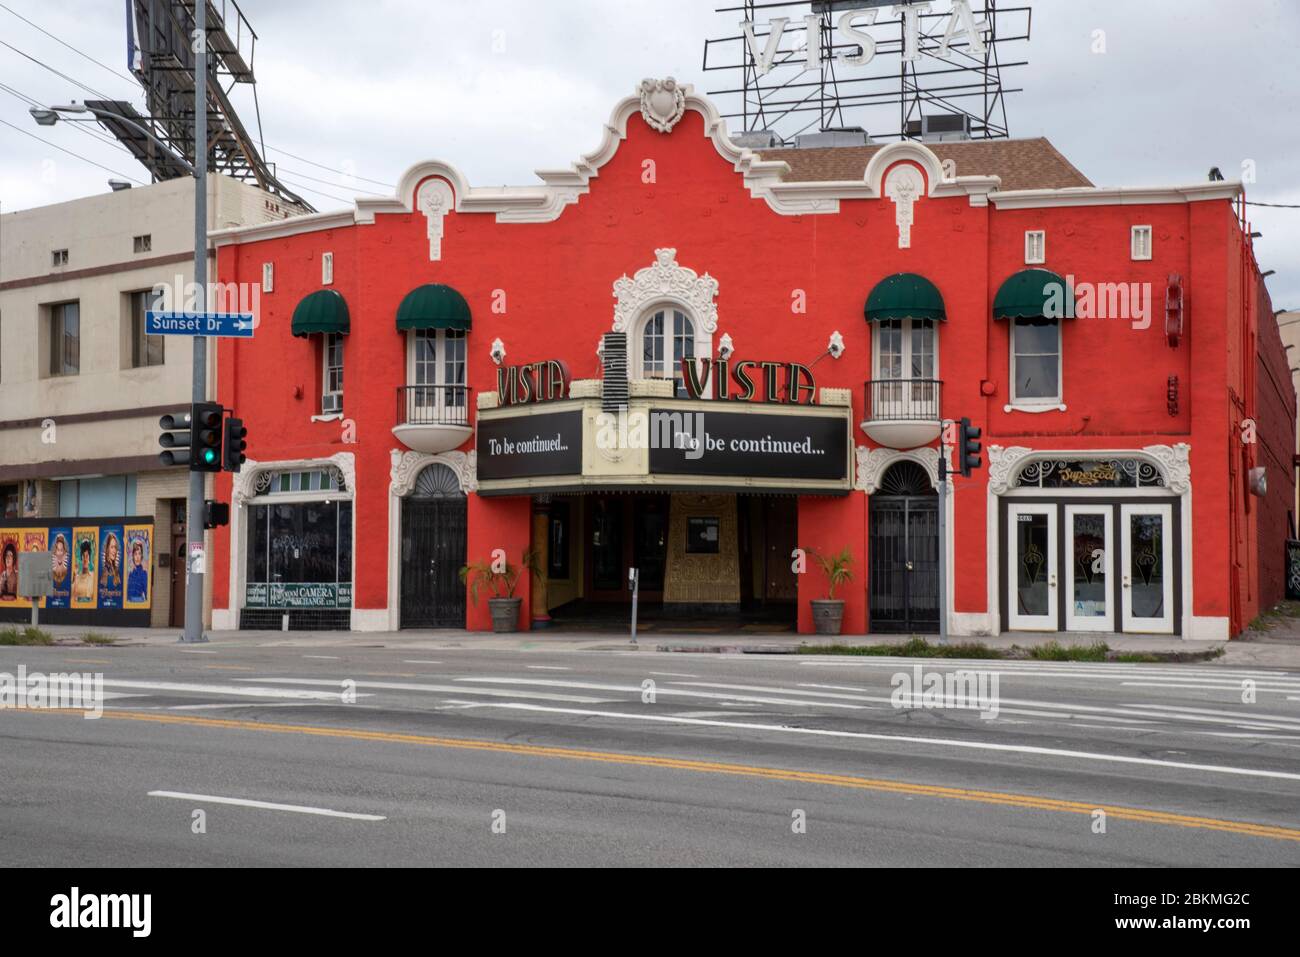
(747, 378)
(867, 13)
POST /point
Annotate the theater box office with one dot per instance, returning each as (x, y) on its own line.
(692, 358)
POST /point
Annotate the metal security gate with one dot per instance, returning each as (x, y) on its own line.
(904, 552)
(433, 551)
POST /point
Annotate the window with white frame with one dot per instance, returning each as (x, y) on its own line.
(667, 337)
(326, 268)
(906, 368)
(1036, 360)
(331, 402)
(1035, 246)
(437, 375)
(1140, 242)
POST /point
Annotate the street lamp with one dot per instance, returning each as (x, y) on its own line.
(48, 116)
(195, 551)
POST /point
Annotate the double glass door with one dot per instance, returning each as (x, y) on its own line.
(1066, 571)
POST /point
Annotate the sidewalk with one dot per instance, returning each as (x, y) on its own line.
(1274, 644)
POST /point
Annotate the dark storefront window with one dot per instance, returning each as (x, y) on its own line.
(302, 542)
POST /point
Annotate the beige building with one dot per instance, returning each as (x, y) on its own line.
(81, 385)
(1288, 323)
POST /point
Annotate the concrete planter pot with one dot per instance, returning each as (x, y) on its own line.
(828, 615)
(505, 614)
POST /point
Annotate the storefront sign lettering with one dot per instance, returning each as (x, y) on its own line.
(742, 444)
(785, 382)
(298, 595)
(543, 381)
(527, 445)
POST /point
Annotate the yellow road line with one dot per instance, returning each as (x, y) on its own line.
(1002, 798)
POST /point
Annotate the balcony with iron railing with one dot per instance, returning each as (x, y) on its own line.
(433, 418)
(903, 413)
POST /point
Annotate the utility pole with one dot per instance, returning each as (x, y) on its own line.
(943, 544)
(196, 560)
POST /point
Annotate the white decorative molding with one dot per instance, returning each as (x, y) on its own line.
(872, 464)
(586, 389)
(651, 388)
(663, 103)
(407, 466)
(487, 400)
(1002, 466)
(903, 185)
(763, 178)
(665, 281)
(836, 397)
(1175, 462)
(246, 481)
(435, 201)
(1172, 461)
(1037, 408)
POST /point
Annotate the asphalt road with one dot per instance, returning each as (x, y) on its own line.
(492, 758)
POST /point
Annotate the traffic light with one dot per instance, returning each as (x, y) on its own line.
(968, 448)
(234, 445)
(175, 439)
(205, 437)
(215, 514)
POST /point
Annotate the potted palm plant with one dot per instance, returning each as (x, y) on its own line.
(828, 612)
(500, 578)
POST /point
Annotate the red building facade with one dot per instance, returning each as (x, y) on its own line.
(461, 370)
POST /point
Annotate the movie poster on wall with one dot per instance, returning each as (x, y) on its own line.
(111, 572)
(61, 564)
(139, 562)
(10, 543)
(85, 558)
(34, 540)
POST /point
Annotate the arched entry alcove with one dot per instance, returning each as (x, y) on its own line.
(433, 550)
(904, 551)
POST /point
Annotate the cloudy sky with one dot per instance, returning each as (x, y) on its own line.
(352, 93)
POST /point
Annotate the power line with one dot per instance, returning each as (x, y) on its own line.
(1274, 205)
(68, 45)
(71, 153)
(330, 168)
(132, 80)
(319, 192)
(327, 182)
(76, 125)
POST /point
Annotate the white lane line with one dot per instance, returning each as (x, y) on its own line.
(455, 689)
(236, 704)
(323, 657)
(671, 674)
(409, 661)
(240, 690)
(1061, 669)
(265, 805)
(1230, 686)
(196, 651)
(548, 668)
(636, 689)
(909, 739)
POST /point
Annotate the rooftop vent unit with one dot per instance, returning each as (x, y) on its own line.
(758, 140)
(939, 127)
(834, 136)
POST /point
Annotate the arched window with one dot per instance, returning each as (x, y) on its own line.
(667, 337)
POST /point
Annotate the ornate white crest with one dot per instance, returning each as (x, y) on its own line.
(663, 103)
(665, 280)
(903, 185)
(1172, 461)
(435, 201)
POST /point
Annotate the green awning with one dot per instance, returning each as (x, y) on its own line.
(1031, 293)
(904, 295)
(433, 307)
(324, 311)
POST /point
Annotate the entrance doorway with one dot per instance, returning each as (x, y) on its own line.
(904, 552)
(179, 564)
(433, 551)
(624, 532)
(1091, 565)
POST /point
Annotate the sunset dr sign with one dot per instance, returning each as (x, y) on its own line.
(224, 325)
(961, 24)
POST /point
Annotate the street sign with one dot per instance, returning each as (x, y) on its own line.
(225, 325)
